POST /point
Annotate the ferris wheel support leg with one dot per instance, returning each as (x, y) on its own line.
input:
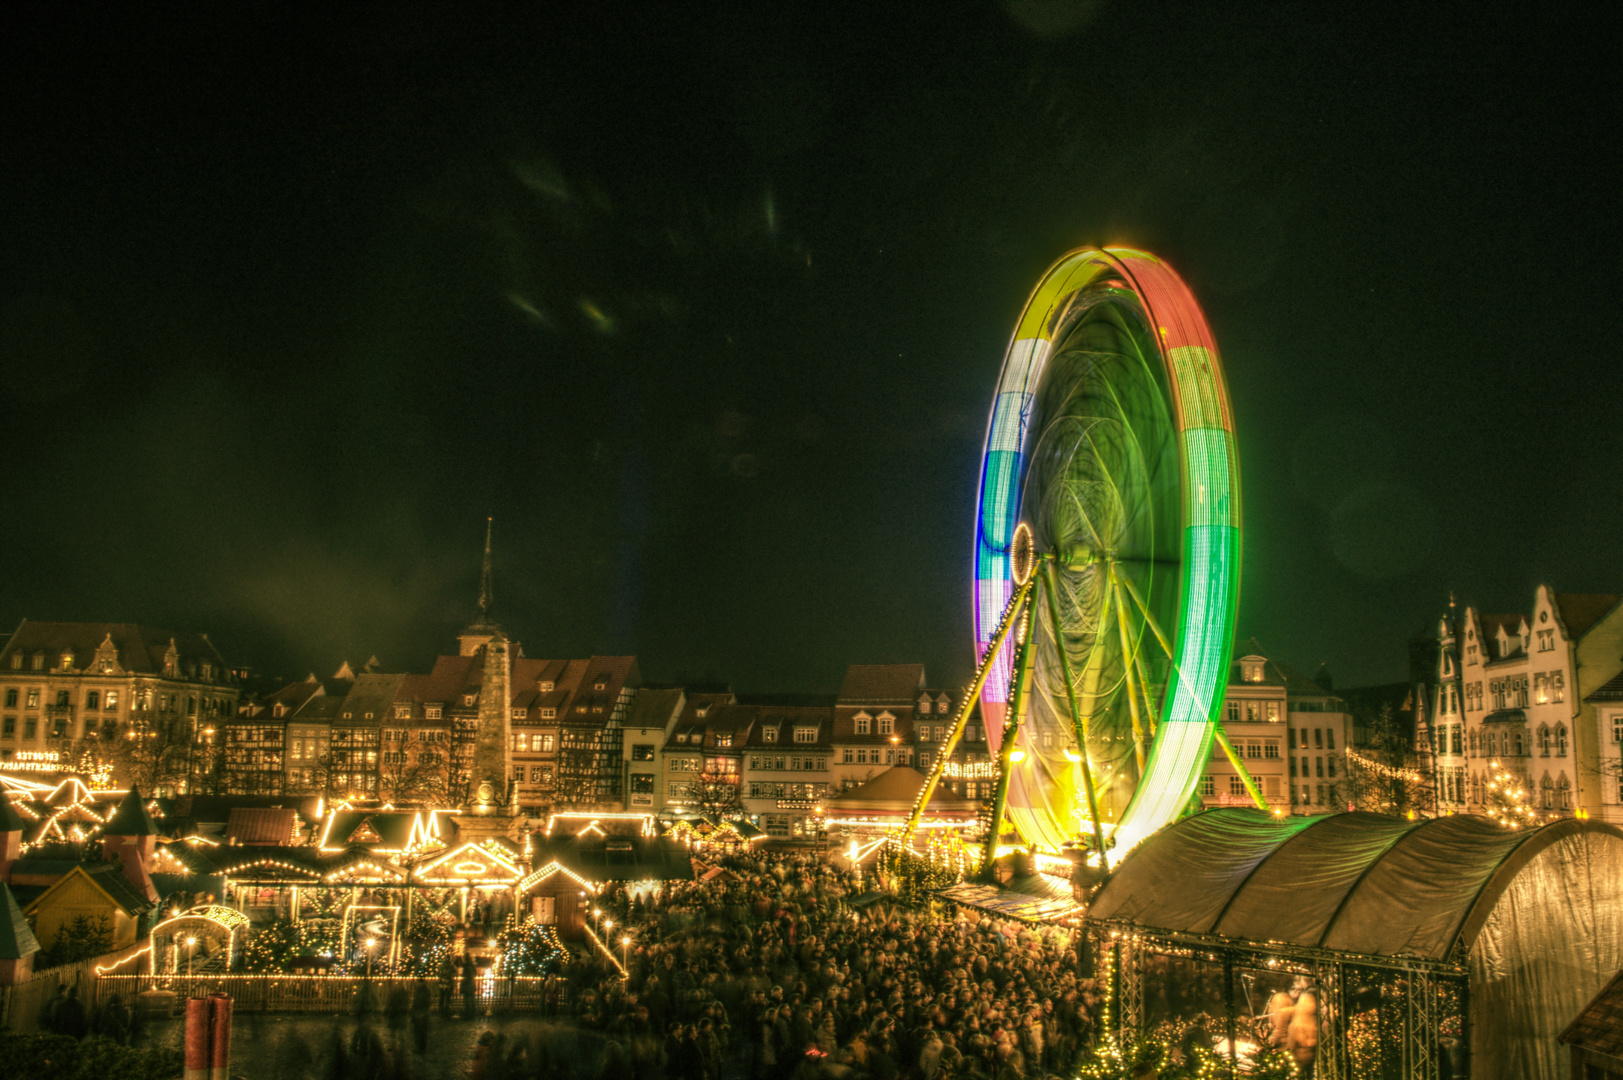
(1127, 662)
(1239, 767)
(1005, 627)
(1077, 721)
(1011, 735)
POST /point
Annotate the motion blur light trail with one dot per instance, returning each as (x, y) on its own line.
(1111, 437)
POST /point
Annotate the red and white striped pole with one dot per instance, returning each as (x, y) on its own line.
(199, 1039)
(220, 1041)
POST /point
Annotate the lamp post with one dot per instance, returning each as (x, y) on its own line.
(625, 954)
(191, 944)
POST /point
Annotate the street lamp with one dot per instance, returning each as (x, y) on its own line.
(625, 954)
(191, 942)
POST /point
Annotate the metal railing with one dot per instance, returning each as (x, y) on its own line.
(343, 993)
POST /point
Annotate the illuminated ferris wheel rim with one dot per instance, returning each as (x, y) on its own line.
(1209, 500)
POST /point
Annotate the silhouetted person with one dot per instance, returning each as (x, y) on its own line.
(420, 1006)
(70, 1016)
(470, 976)
(114, 1020)
(447, 975)
(399, 1004)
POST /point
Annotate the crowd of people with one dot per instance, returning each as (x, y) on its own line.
(778, 968)
(771, 966)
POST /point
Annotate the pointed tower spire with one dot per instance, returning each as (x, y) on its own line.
(483, 628)
(486, 592)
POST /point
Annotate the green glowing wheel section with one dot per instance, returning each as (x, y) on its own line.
(1112, 438)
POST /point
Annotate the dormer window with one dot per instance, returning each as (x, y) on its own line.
(549, 714)
(724, 738)
(469, 699)
(67, 661)
(682, 737)
(402, 712)
(1251, 668)
(546, 686)
(519, 714)
(431, 712)
(278, 709)
(769, 734)
(862, 721)
(805, 734)
(887, 723)
(38, 661)
(702, 711)
(602, 683)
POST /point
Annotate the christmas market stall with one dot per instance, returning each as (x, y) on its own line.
(883, 806)
(580, 854)
(1362, 945)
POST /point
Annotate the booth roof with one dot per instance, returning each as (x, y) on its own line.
(1356, 883)
(894, 790)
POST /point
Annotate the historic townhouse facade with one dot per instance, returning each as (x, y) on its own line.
(1521, 693)
(873, 721)
(683, 759)
(1256, 709)
(654, 712)
(787, 769)
(165, 694)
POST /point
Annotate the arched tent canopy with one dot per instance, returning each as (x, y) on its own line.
(1535, 916)
(214, 925)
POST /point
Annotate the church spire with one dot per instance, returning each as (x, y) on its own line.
(486, 592)
(483, 628)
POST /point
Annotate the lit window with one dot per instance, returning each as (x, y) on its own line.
(805, 734)
(769, 734)
(431, 712)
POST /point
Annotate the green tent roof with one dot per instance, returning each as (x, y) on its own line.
(132, 818)
(16, 936)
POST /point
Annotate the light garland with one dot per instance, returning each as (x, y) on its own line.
(1413, 776)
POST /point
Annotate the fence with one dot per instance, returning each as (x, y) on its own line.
(336, 993)
(20, 1003)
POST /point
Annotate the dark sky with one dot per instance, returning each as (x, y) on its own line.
(704, 303)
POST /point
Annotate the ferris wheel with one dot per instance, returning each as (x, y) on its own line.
(1106, 559)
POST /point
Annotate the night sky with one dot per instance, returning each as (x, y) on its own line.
(705, 303)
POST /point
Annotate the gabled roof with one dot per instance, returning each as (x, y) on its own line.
(1600, 1026)
(598, 859)
(882, 684)
(141, 649)
(132, 818)
(109, 879)
(894, 790)
(1581, 611)
(1609, 691)
(655, 708)
(16, 936)
(261, 825)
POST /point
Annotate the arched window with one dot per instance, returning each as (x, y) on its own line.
(1548, 791)
(1519, 747)
(1566, 794)
(1544, 740)
(1560, 740)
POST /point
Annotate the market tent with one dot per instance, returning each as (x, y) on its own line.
(1536, 915)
